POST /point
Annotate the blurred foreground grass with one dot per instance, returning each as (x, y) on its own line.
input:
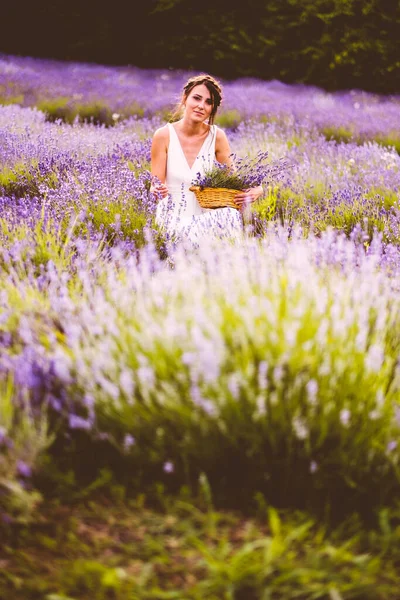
(111, 549)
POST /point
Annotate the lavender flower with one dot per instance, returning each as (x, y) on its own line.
(24, 470)
(242, 174)
(129, 441)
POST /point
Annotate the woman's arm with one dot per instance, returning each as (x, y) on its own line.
(159, 149)
(223, 152)
(248, 196)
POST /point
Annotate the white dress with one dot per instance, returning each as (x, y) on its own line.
(180, 214)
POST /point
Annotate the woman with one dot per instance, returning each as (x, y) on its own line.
(180, 151)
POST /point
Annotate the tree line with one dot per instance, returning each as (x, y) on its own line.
(336, 44)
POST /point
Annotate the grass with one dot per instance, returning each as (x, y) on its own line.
(341, 134)
(25, 179)
(6, 99)
(124, 550)
(98, 112)
(64, 109)
(313, 209)
(228, 119)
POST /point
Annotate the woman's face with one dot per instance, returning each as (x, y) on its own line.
(198, 104)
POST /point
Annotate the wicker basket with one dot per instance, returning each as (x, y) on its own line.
(209, 197)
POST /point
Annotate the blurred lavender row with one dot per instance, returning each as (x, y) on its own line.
(127, 91)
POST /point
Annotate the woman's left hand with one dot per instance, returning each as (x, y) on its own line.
(246, 197)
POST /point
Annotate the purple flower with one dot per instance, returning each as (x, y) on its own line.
(23, 469)
(76, 422)
(248, 172)
(6, 519)
(3, 435)
(169, 467)
(129, 441)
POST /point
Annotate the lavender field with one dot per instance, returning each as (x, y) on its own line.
(266, 368)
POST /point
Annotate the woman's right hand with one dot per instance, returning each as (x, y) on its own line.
(159, 189)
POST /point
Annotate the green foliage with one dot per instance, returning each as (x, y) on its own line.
(310, 208)
(341, 134)
(96, 112)
(44, 242)
(134, 109)
(337, 44)
(18, 181)
(228, 119)
(69, 111)
(120, 219)
(84, 577)
(23, 438)
(391, 140)
(100, 551)
(25, 179)
(341, 44)
(57, 108)
(6, 100)
(270, 568)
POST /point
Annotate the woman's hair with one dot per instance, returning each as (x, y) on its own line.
(213, 86)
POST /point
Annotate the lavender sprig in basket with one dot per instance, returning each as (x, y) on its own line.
(218, 186)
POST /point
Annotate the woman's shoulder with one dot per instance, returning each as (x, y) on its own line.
(161, 139)
(221, 139)
(220, 133)
(222, 146)
(162, 133)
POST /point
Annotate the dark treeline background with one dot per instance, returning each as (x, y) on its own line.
(336, 44)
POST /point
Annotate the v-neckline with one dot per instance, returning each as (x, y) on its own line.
(180, 146)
